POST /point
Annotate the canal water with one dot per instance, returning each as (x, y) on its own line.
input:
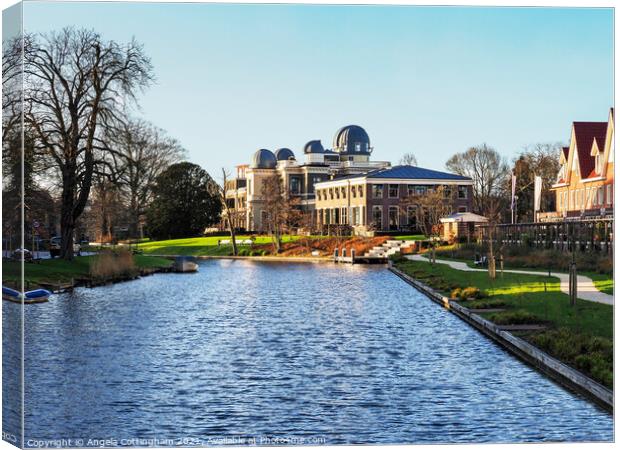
(279, 353)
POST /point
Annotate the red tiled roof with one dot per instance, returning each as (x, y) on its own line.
(585, 133)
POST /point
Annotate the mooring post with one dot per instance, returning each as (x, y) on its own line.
(352, 256)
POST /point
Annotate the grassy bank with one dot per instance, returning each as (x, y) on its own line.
(54, 271)
(580, 336)
(292, 246)
(539, 261)
(203, 246)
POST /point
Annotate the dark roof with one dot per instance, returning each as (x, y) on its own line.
(414, 173)
(284, 154)
(314, 147)
(585, 134)
(565, 150)
(407, 173)
(263, 159)
(348, 136)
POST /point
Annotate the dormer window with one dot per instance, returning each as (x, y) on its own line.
(358, 147)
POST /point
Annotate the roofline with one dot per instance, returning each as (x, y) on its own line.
(369, 180)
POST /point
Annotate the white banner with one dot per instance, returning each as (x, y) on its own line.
(537, 192)
(514, 188)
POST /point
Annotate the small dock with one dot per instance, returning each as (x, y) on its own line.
(352, 258)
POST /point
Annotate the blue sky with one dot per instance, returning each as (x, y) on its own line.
(428, 80)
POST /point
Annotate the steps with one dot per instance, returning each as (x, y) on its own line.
(388, 248)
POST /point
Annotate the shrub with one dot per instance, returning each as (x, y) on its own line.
(518, 317)
(592, 355)
(471, 292)
(456, 293)
(108, 265)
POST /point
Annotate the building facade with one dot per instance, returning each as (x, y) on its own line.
(373, 201)
(585, 183)
(349, 155)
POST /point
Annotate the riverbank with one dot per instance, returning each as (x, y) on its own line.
(580, 336)
(556, 369)
(261, 246)
(58, 272)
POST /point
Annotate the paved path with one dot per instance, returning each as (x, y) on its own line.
(585, 287)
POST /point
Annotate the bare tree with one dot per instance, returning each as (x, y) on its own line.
(429, 209)
(75, 86)
(139, 152)
(542, 160)
(486, 168)
(12, 80)
(408, 159)
(280, 208)
(229, 213)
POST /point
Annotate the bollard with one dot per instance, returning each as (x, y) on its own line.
(352, 256)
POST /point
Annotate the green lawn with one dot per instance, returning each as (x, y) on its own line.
(603, 282)
(203, 246)
(539, 295)
(581, 336)
(52, 271)
(409, 237)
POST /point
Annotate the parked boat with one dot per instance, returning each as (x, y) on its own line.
(185, 264)
(36, 296)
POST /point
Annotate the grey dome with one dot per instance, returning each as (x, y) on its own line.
(263, 159)
(314, 147)
(347, 138)
(284, 154)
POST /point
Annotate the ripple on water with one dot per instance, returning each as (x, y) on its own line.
(349, 354)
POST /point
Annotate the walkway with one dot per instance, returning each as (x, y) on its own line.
(585, 287)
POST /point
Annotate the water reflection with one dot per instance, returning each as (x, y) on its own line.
(350, 354)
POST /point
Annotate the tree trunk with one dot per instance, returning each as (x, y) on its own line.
(233, 237)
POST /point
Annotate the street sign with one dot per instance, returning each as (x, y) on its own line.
(35, 224)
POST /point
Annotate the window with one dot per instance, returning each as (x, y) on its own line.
(345, 214)
(462, 192)
(344, 192)
(411, 216)
(608, 196)
(295, 185)
(331, 194)
(462, 209)
(572, 200)
(597, 163)
(356, 216)
(377, 191)
(393, 191)
(377, 216)
(314, 181)
(393, 217)
(337, 192)
(410, 190)
(601, 193)
(420, 190)
(360, 190)
(358, 147)
(353, 191)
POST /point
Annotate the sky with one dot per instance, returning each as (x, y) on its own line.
(433, 81)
